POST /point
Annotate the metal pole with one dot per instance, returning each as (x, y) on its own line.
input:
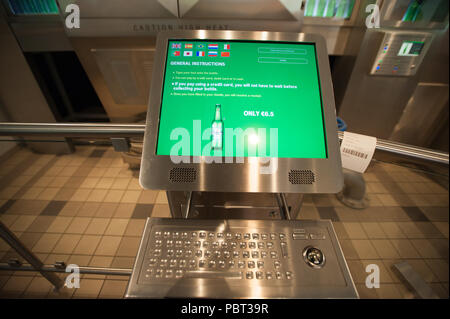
(285, 205)
(188, 204)
(103, 130)
(282, 203)
(82, 269)
(23, 251)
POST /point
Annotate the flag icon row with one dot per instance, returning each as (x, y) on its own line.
(199, 46)
(201, 53)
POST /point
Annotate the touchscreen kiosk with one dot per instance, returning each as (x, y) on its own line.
(241, 111)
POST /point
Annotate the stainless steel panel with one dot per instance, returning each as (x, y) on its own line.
(374, 105)
(124, 9)
(239, 9)
(127, 73)
(434, 14)
(388, 61)
(106, 60)
(19, 88)
(242, 177)
(422, 114)
(363, 107)
(232, 205)
(239, 278)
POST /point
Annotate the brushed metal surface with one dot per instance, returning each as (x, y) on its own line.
(219, 205)
(242, 177)
(220, 279)
(415, 115)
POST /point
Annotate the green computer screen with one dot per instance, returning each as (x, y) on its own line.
(241, 99)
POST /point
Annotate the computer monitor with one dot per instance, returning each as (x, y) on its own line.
(234, 111)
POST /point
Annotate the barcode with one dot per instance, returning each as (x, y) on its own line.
(355, 153)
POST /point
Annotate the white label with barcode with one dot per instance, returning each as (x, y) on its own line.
(357, 151)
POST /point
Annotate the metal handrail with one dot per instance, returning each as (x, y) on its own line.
(108, 130)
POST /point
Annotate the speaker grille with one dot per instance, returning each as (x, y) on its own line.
(183, 175)
(301, 177)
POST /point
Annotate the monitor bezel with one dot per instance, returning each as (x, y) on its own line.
(241, 177)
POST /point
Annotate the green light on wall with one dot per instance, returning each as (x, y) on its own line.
(340, 9)
(33, 7)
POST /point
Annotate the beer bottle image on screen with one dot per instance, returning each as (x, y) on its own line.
(217, 129)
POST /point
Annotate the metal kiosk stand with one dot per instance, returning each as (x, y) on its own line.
(226, 239)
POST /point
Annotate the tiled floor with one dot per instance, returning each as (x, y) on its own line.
(87, 208)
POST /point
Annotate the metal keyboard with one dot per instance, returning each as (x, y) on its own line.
(240, 259)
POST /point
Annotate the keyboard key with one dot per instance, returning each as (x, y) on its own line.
(255, 254)
(260, 264)
(249, 275)
(251, 264)
(259, 275)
